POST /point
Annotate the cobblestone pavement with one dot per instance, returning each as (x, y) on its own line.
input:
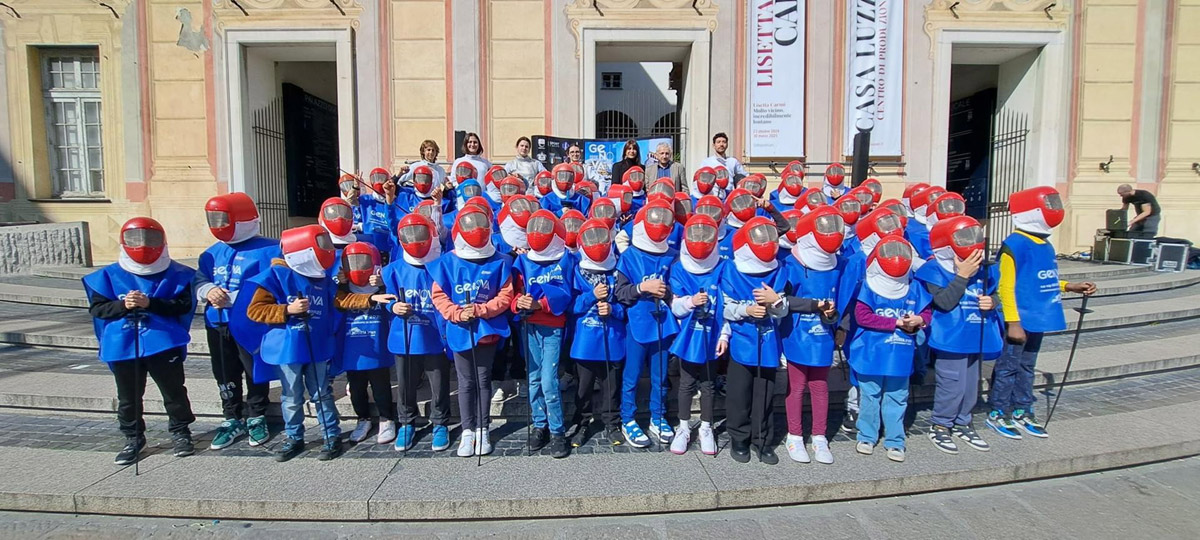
(1156, 501)
(98, 432)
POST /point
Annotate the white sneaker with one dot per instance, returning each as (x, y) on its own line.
(679, 444)
(708, 441)
(466, 446)
(387, 432)
(796, 450)
(361, 430)
(896, 454)
(500, 394)
(483, 442)
(864, 448)
(821, 450)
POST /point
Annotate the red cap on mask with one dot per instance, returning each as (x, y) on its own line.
(337, 216)
(361, 261)
(865, 198)
(604, 210)
(722, 176)
(416, 234)
(565, 177)
(700, 236)
(876, 188)
(683, 207)
(741, 205)
(880, 222)
(945, 206)
(587, 188)
(919, 202)
(519, 209)
(224, 212)
(422, 179)
(474, 226)
(826, 226)
(143, 240)
(544, 183)
(348, 183)
(711, 206)
(379, 176)
(510, 186)
(963, 234)
(595, 240)
(481, 203)
(542, 229)
(792, 183)
(657, 218)
(662, 185)
(835, 174)
(495, 175)
(465, 171)
(912, 189)
(810, 200)
(761, 236)
(894, 255)
(572, 220)
(314, 237)
(794, 166)
(704, 180)
(622, 194)
(849, 207)
(635, 178)
(755, 183)
(1042, 198)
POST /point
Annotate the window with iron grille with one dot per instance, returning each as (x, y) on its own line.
(610, 80)
(71, 93)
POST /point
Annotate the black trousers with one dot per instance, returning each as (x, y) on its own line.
(475, 385)
(607, 400)
(380, 381)
(692, 376)
(749, 396)
(436, 368)
(230, 364)
(166, 368)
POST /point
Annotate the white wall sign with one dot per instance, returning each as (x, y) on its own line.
(875, 73)
(776, 78)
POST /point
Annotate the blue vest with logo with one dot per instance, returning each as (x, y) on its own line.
(228, 266)
(362, 340)
(549, 280)
(958, 330)
(558, 205)
(887, 354)
(591, 331)
(301, 339)
(744, 343)
(645, 315)
(806, 340)
(1039, 298)
(481, 280)
(142, 334)
(700, 331)
(425, 325)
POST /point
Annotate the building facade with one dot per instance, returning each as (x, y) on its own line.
(127, 107)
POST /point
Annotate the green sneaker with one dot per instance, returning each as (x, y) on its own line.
(229, 431)
(258, 431)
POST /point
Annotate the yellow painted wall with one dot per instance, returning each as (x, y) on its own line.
(418, 78)
(1179, 192)
(516, 71)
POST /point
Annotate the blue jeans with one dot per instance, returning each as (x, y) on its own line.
(885, 397)
(1012, 378)
(637, 354)
(957, 388)
(313, 377)
(545, 399)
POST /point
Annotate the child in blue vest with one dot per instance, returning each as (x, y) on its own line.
(813, 269)
(695, 279)
(543, 296)
(965, 329)
(362, 342)
(415, 335)
(599, 328)
(473, 290)
(239, 254)
(142, 307)
(642, 287)
(888, 313)
(293, 306)
(1031, 299)
(752, 310)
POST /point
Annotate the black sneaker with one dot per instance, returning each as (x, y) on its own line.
(740, 452)
(581, 435)
(850, 423)
(613, 435)
(941, 438)
(289, 449)
(559, 448)
(183, 445)
(538, 439)
(766, 455)
(129, 454)
(331, 449)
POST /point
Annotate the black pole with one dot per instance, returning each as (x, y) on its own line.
(407, 363)
(659, 316)
(608, 375)
(525, 344)
(136, 315)
(312, 359)
(758, 325)
(1082, 310)
(475, 373)
(862, 155)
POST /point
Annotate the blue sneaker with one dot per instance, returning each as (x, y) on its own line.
(633, 434)
(1027, 422)
(441, 438)
(662, 430)
(404, 437)
(1003, 425)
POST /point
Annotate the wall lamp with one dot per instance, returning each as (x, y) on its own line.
(1105, 165)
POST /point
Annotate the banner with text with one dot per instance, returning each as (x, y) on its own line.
(875, 73)
(776, 78)
(598, 155)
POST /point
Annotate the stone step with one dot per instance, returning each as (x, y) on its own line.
(373, 483)
(1093, 271)
(46, 378)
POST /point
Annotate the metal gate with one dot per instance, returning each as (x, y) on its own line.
(270, 168)
(1010, 133)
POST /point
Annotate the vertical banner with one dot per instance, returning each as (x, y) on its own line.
(776, 78)
(875, 73)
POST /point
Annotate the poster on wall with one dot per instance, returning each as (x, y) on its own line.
(776, 78)
(598, 155)
(875, 73)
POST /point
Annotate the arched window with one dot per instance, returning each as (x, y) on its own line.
(615, 125)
